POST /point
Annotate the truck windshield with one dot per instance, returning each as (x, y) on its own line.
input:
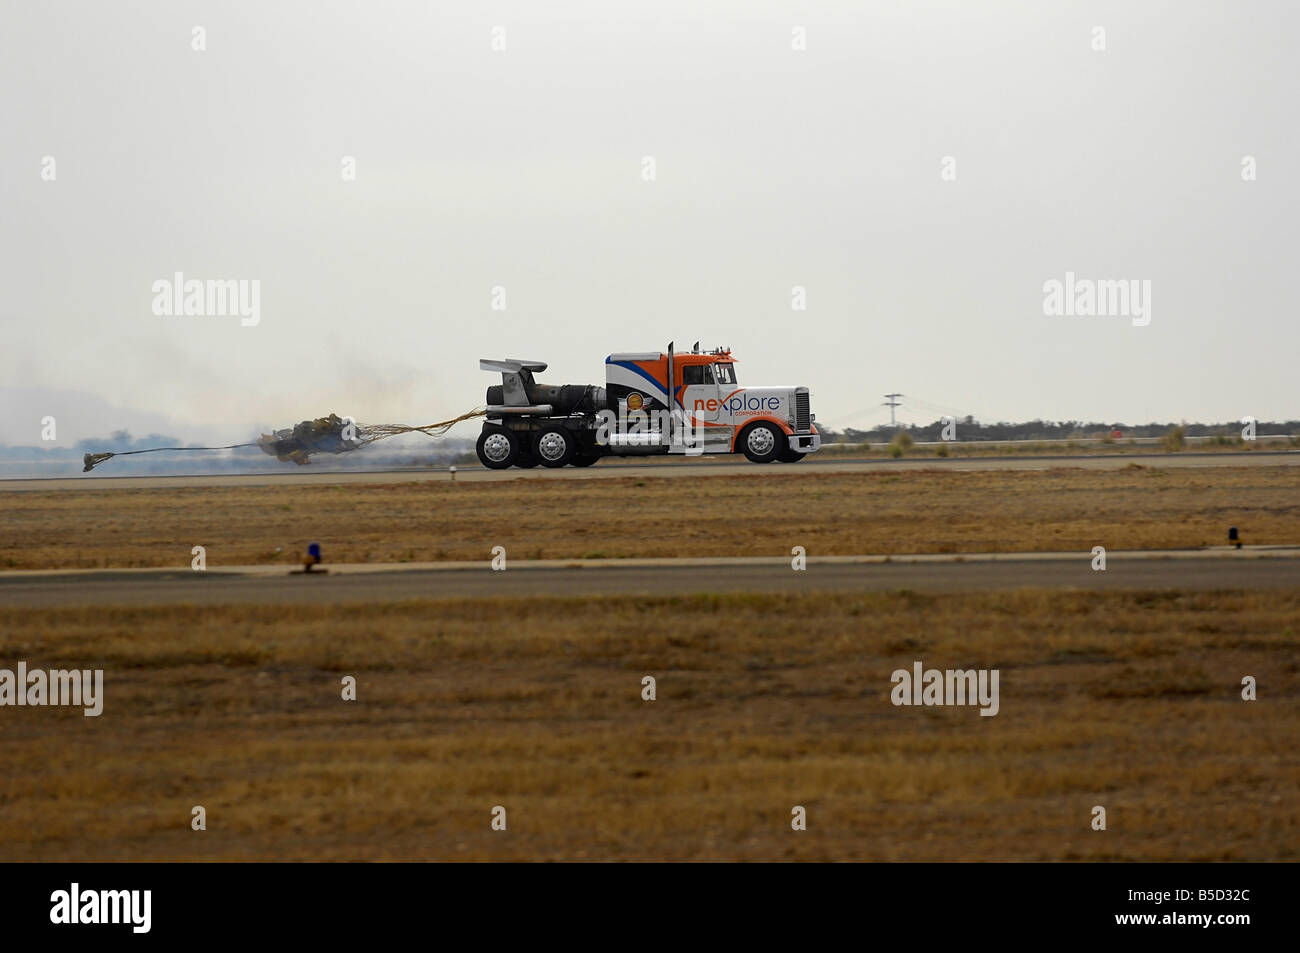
(726, 373)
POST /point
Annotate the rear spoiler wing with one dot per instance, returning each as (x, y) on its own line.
(514, 390)
(511, 365)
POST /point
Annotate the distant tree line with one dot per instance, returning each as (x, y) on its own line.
(968, 428)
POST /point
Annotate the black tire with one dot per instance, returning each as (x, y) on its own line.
(554, 447)
(526, 461)
(790, 456)
(497, 448)
(762, 442)
(583, 461)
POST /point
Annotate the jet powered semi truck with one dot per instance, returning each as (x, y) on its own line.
(652, 403)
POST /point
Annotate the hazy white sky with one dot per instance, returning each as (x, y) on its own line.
(522, 168)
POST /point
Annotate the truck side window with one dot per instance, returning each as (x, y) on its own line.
(692, 374)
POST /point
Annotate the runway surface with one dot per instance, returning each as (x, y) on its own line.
(1198, 571)
(721, 465)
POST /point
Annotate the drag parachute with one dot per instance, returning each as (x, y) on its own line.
(297, 444)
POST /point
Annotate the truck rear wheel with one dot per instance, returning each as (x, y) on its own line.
(497, 448)
(580, 460)
(554, 447)
(525, 461)
(762, 442)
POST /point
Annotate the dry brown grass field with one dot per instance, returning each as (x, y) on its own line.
(765, 514)
(1127, 700)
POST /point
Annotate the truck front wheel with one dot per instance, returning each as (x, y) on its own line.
(554, 447)
(790, 456)
(762, 442)
(497, 448)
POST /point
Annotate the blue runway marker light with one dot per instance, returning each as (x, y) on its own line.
(313, 556)
(1233, 537)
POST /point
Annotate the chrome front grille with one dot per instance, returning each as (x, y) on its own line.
(802, 422)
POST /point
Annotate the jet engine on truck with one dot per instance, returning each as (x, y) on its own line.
(652, 403)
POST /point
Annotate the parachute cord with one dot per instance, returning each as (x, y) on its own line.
(92, 460)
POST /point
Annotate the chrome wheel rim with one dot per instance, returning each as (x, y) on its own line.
(761, 441)
(552, 445)
(496, 447)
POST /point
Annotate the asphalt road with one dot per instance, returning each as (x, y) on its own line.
(718, 465)
(163, 587)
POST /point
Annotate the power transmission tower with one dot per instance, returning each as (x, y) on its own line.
(891, 404)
